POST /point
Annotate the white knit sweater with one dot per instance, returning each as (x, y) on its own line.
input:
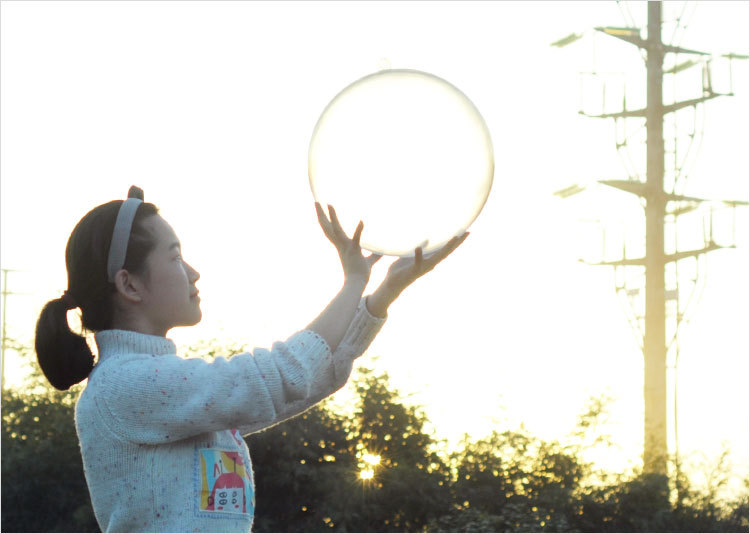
(161, 436)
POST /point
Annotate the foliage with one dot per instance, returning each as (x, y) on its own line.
(44, 489)
(326, 492)
(308, 474)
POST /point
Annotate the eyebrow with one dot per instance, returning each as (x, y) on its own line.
(175, 244)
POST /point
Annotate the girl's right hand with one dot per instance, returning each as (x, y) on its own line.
(356, 266)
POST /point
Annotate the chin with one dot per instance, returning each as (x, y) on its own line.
(196, 314)
(196, 318)
(192, 319)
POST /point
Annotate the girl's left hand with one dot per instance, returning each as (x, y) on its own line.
(357, 267)
(404, 271)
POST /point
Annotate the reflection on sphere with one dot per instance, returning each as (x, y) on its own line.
(408, 154)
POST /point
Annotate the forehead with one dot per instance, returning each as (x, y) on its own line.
(161, 230)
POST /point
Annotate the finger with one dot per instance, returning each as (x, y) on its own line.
(453, 244)
(418, 259)
(358, 233)
(322, 219)
(447, 249)
(372, 259)
(324, 223)
(319, 211)
(335, 224)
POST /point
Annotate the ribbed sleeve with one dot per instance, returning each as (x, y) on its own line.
(159, 398)
(154, 399)
(332, 375)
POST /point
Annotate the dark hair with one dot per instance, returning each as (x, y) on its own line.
(64, 356)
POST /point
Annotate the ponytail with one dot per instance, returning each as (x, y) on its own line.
(65, 357)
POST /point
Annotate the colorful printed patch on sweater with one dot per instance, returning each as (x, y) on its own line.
(225, 484)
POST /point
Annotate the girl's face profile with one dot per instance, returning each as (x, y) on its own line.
(170, 298)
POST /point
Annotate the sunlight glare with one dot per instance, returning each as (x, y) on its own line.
(366, 474)
(372, 459)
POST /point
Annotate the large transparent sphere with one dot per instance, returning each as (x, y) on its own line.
(408, 154)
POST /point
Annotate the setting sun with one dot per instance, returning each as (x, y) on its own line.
(408, 153)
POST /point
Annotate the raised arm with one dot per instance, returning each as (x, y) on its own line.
(334, 321)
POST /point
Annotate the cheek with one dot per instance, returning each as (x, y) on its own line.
(179, 279)
(169, 282)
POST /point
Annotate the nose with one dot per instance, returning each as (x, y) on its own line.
(193, 275)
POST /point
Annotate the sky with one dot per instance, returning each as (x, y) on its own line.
(209, 107)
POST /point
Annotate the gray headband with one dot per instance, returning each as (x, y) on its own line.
(121, 234)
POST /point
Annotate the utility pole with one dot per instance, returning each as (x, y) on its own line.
(654, 342)
(3, 343)
(655, 348)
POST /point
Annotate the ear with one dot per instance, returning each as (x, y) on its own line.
(128, 286)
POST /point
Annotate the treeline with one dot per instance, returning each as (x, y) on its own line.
(376, 471)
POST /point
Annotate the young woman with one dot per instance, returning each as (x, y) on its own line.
(160, 435)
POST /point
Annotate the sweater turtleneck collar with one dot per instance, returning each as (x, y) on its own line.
(113, 342)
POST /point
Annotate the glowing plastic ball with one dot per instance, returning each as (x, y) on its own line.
(408, 154)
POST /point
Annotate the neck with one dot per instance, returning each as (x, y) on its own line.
(136, 322)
